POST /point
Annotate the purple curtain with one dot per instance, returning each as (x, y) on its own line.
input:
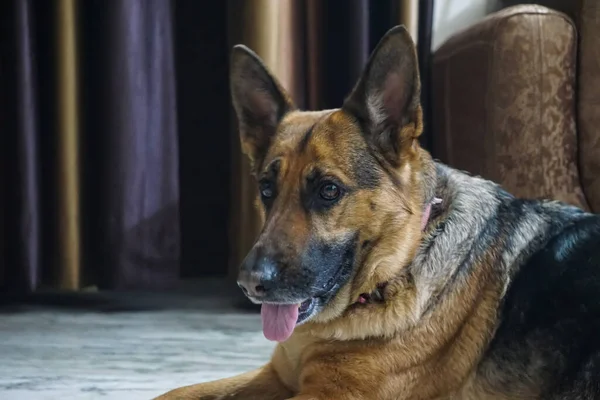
(19, 107)
(132, 129)
(141, 180)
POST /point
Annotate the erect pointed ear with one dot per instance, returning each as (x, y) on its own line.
(259, 102)
(386, 99)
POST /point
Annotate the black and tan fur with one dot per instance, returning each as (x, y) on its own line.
(496, 298)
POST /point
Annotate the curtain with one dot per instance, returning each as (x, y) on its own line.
(317, 49)
(424, 31)
(91, 159)
(20, 176)
(202, 55)
(121, 164)
(135, 141)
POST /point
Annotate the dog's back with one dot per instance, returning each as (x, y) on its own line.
(546, 342)
(550, 320)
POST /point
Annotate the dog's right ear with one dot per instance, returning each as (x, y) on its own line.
(386, 98)
(260, 102)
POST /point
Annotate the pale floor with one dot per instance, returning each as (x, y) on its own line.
(78, 353)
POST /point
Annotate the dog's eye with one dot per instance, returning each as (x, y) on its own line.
(266, 189)
(329, 191)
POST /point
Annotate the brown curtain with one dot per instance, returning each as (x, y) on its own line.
(317, 49)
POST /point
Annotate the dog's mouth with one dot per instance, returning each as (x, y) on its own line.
(307, 309)
(280, 319)
(303, 310)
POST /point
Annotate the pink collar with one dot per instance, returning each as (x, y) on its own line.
(427, 212)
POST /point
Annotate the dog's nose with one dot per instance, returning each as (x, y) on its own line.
(258, 278)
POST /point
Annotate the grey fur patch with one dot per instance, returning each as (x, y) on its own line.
(478, 219)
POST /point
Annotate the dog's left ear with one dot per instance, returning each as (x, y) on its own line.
(386, 99)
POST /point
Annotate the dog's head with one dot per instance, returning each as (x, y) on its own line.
(341, 191)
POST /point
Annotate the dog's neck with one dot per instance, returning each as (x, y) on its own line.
(377, 295)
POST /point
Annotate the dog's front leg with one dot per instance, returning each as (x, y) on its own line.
(262, 383)
(328, 377)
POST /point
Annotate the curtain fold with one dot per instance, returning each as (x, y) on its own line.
(409, 17)
(345, 47)
(21, 195)
(204, 140)
(424, 33)
(68, 168)
(140, 213)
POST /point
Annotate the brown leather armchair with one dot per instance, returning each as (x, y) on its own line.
(516, 99)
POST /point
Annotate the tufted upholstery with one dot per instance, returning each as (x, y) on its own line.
(516, 100)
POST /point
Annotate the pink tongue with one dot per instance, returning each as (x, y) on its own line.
(279, 321)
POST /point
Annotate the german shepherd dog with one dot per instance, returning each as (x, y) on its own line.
(386, 275)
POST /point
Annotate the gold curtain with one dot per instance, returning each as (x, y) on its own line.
(409, 16)
(68, 232)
